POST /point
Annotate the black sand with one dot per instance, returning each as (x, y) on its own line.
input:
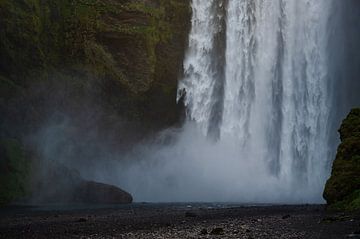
(179, 221)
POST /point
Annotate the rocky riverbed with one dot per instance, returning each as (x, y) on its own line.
(178, 221)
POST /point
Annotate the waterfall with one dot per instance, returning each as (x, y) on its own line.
(256, 72)
(265, 85)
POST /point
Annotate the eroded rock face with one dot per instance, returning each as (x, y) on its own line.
(126, 54)
(343, 188)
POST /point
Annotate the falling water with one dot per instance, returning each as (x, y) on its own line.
(264, 85)
(256, 71)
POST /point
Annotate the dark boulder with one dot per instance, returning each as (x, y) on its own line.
(56, 184)
(93, 192)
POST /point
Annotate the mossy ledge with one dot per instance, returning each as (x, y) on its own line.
(342, 190)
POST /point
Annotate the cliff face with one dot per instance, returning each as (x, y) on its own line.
(343, 188)
(125, 54)
(104, 64)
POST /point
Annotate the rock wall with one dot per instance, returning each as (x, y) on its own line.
(342, 190)
(124, 56)
(109, 66)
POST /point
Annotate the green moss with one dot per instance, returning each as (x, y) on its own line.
(134, 50)
(351, 125)
(14, 170)
(343, 187)
(350, 203)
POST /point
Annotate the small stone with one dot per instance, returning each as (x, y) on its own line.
(203, 232)
(217, 231)
(82, 220)
(286, 217)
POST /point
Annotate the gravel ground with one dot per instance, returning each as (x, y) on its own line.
(179, 221)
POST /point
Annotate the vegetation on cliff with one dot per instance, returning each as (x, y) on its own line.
(342, 190)
(99, 62)
(125, 53)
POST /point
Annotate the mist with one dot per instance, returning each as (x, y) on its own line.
(176, 165)
(194, 168)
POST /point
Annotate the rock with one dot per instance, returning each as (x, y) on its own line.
(58, 184)
(217, 231)
(130, 52)
(57, 57)
(342, 190)
(204, 231)
(286, 217)
(82, 220)
(100, 193)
